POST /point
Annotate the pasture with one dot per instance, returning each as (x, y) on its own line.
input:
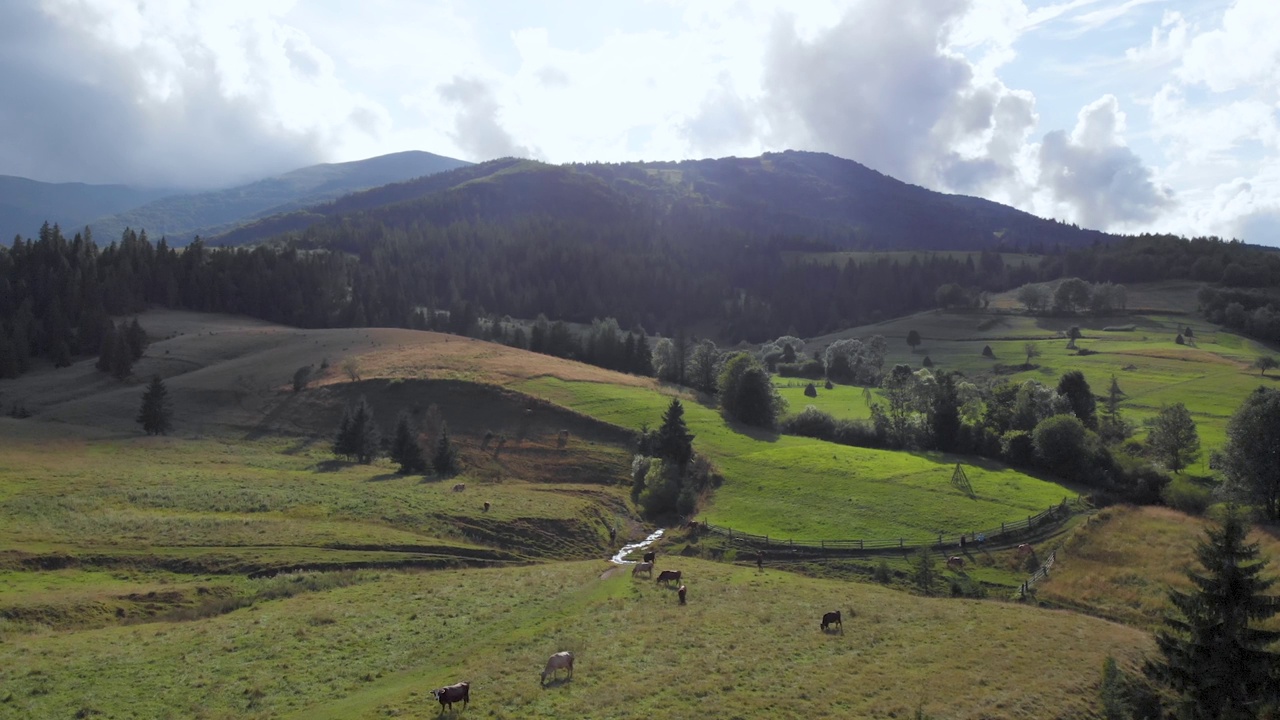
(1122, 563)
(1211, 377)
(746, 645)
(806, 489)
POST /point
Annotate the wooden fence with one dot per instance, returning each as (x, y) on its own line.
(1007, 532)
(1041, 573)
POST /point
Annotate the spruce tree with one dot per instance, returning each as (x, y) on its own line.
(364, 434)
(343, 441)
(445, 459)
(156, 415)
(108, 347)
(674, 442)
(136, 338)
(1214, 656)
(405, 450)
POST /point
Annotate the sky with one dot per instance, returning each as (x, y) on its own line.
(1121, 115)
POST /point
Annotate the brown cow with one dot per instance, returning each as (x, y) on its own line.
(955, 562)
(681, 593)
(1025, 549)
(486, 506)
(832, 618)
(668, 576)
(451, 694)
(560, 661)
(650, 557)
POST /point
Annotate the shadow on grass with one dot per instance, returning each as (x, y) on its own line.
(556, 682)
(300, 446)
(385, 476)
(332, 465)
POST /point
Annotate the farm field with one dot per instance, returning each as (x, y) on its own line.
(374, 647)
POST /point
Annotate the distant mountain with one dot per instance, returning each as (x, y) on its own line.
(25, 204)
(828, 200)
(181, 217)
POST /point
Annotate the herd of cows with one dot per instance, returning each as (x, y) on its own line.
(563, 660)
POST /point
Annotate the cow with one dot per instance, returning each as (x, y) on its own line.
(486, 506)
(451, 694)
(459, 487)
(832, 618)
(650, 557)
(668, 576)
(1025, 549)
(681, 591)
(560, 661)
(955, 562)
(643, 567)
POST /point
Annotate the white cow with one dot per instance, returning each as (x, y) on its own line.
(561, 660)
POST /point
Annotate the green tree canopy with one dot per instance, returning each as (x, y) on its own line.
(1061, 442)
(1250, 461)
(747, 394)
(405, 451)
(357, 436)
(1173, 437)
(1076, 390)
(674, 442)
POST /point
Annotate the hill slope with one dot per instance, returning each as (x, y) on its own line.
(25, 204)
(841, 202)
(181, 217)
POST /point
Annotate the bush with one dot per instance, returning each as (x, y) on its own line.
(811, 369)
(882, 574)
(1185, 495)
(1061, 442)
(1017, 448)
(828, 385)
(813, 423)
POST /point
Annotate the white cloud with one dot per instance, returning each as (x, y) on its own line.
(1094, 173)
(1243, 53)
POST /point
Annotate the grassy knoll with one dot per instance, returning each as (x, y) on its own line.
(800, 488)
(373, 649)
(1122, 562)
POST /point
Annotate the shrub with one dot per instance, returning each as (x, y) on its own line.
(1185, 495)
(882, 574)
(1017, 448)
(812, 422)
(811, 369)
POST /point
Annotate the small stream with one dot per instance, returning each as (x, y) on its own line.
(628, 549)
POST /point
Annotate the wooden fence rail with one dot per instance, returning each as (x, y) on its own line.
(1053, 515)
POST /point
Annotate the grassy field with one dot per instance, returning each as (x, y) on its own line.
(1123, 562)
(800, 488)
(375, 647)
(1211, 378)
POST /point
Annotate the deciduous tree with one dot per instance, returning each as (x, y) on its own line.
(1250, 460)
(913, 339)
(1173, 437)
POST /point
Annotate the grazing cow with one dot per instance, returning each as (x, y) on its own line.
(643, 567)
(560, 661)
(448, 695)
(1025, 549)
(668, 576)
(681, 593)
(955, 562)
(832, 618)
(459, 487)
(650, 557)
(486, 506)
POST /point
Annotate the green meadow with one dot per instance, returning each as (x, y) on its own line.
(804, 489)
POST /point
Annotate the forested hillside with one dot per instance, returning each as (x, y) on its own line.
(832, 202)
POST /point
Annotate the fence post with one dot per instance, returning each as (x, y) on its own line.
(1001, 528)
(766, 541)
(939, 539)
(860, 545)
(730, 534)
(899, 542)
(823, 543)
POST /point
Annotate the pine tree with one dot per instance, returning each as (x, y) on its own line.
(136, 338)
(1214, 656)
(364, 434)
(108, 346)
(343, 444)
(673, 439)
(445, 459)
(156, 415)
(405, 450)
(121, 355)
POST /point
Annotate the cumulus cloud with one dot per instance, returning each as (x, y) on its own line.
(477, 129)
(1094, 172)
(169, 94)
